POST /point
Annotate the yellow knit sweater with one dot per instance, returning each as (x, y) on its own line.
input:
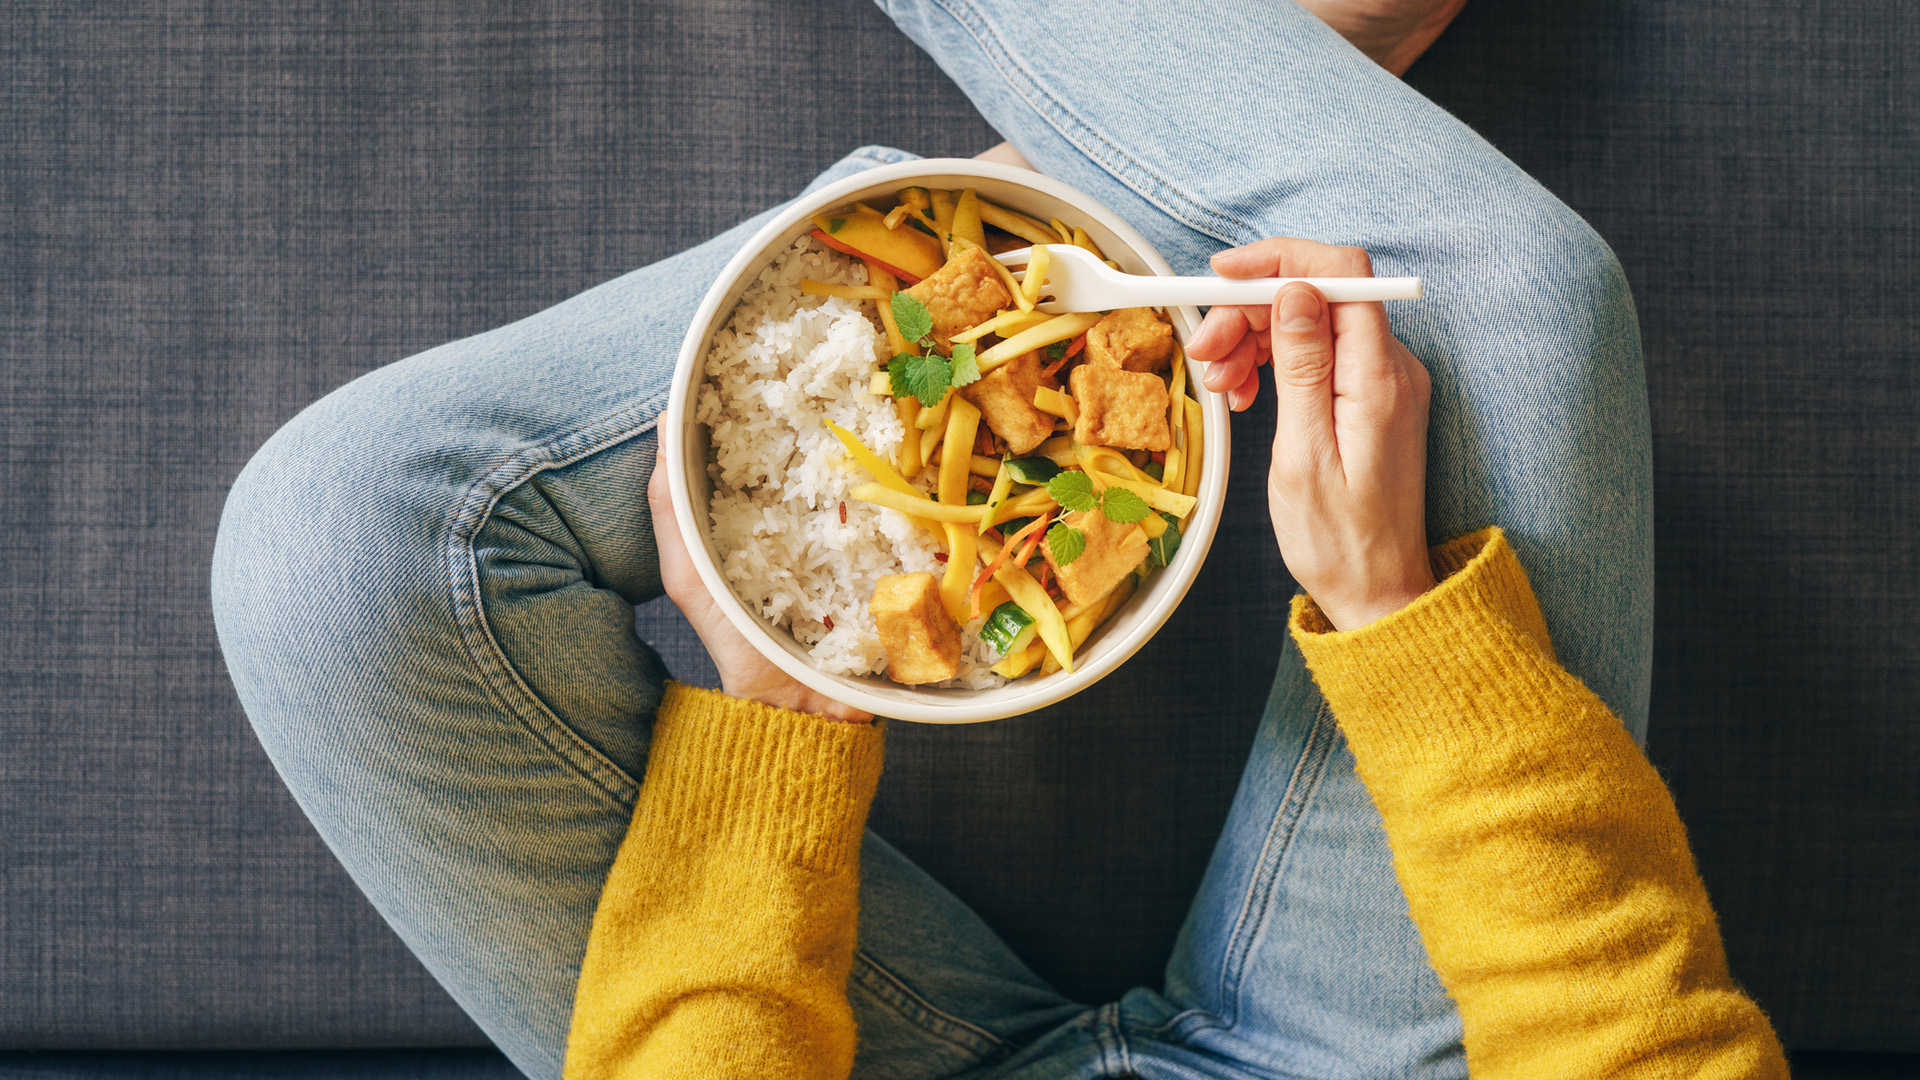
(1542, 859)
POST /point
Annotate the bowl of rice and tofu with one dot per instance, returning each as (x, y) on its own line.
(908, 486)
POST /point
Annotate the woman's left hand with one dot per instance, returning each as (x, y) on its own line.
(744, 673)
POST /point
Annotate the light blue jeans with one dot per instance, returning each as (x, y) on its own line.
(424, 583)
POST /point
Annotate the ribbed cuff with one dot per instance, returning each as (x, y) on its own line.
(1422, 676)
(788, 785)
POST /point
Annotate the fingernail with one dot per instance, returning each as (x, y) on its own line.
(1299, 310)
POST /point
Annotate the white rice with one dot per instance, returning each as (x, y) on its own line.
(784, 363)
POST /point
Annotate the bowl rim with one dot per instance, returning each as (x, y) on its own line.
(1025, 695)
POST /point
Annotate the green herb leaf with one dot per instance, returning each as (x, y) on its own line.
(1065, 543)
(1161, 548)
(1123, 507)
(976, 498)
(965, 366)
(912, 317)
(1056, 350)
(834, 225)
(897, 375)
(926, 378)
(1073, 489)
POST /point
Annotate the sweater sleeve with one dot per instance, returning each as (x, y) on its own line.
(725, 932)
(1543, 860)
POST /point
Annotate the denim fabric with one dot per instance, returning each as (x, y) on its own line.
(423, 583)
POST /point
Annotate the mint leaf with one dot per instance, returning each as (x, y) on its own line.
(965, 366)
(926, 377)
(1123, 507)
(897, 375)
(1073, 489)
(1065, 543)
(1056, 350)
(912, 317)
(1162, 547)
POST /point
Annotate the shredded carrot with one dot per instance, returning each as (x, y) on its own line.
(1033, 541)
(1029, 534)
(1072, 351)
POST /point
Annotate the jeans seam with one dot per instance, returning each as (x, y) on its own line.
(1273, 856)
(1061, 118)
(904, 1000)
(464, 591)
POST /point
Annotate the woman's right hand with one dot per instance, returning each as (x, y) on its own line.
(1347, 487)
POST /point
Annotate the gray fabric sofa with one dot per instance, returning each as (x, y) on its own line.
(215, 213)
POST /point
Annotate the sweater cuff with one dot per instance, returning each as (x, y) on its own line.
(1416, 676)
(785, 785)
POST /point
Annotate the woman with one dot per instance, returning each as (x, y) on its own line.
(423, 588)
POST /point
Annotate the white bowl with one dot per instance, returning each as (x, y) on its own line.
(684, 445)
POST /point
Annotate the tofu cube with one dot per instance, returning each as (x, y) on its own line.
(1125, 409)
(922, 643)
(965, 292)
(1113, 550)
(1131, 339)
(1005, 399)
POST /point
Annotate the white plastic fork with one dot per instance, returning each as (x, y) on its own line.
(1079, 282)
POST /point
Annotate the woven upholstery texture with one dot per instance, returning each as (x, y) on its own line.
(214, 214)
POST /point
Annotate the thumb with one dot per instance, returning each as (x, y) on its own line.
(1302, 337)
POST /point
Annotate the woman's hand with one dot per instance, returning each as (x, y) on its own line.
(1347, 488)
(744, 673)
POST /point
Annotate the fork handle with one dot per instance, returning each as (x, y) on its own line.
(1208, 291)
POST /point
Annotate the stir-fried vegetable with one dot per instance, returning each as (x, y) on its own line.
(1009, 629)
(1031, 470)
(992, 510)
(1058, 328)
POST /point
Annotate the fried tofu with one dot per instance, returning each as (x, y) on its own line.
(922, 643)
(965, 292)
(1005, 398)
(1126, 409)
(1131, 339)
(1112, 552)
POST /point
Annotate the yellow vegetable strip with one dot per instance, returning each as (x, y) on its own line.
(1156, 496)
(1058, 328)
(993, 596)
(959, 576)
(966, 219)
(1021, 662)
(1196, 447)
(943, 218)
(1032, 503)
(929, 441)
(1006, 324)
(872, 462)
(1153, 525)
(1037, 264)
(1002, 485)
(1082, 240)
(897, 215)
(915, 197)
(956, 452)
(1066, 234)
(880, 384)
(1114, 462)
(1029, 595)
(914, 506)
(935, 416)
(1049, 400)
(883, 280)
(1061, 450)
(844, 292)
(982, 465)
(1015, 222)
(911, 459)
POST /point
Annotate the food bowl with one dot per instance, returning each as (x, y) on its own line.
(684, 445)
